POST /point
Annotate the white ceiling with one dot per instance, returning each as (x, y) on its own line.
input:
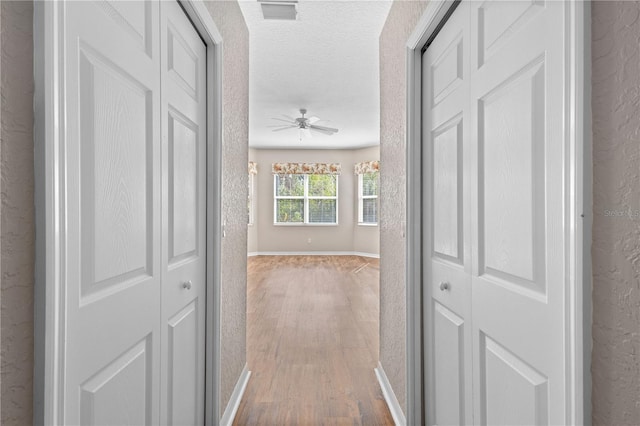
(327, 62)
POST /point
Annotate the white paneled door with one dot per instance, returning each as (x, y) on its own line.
(183, 217)
(493, 91)
(132, 341)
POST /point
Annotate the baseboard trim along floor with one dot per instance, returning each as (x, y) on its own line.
(390, 397)
(234, 402)
(313, 253)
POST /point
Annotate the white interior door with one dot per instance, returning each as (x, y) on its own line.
(113, 196)
(519, 262)
(132, 339)
(184, 133)
(498, 242)
(446, 125)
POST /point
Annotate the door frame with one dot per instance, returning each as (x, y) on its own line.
(577, 205)
(49, 143)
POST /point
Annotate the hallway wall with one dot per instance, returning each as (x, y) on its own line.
(616, 223)
(235, 104)
(17, 228)
(402, 19)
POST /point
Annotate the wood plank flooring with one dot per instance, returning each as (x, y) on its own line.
(312, 342)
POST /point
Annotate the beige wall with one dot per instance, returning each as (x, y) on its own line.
(401, 21)
(17, 212)
(233, 291)
(616, 188)
(278, 238)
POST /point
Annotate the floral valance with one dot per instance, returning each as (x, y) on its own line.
(305, 168)
(367, 167)
(253, 168)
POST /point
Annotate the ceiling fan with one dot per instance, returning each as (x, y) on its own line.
(304, 124)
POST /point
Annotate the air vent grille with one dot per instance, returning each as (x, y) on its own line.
(282, 11)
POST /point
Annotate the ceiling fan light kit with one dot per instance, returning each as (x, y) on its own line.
(305, 125)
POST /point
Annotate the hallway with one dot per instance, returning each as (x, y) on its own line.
(312, 342)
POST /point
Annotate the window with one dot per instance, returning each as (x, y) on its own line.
(368, 198)
(250, 207)
(306, 199)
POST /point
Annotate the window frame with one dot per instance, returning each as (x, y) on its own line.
(306, 197)
(251, 201)
(362, 197)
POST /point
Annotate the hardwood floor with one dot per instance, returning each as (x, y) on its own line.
(312, 342)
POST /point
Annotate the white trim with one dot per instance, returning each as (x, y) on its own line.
(49, 140)
(434, 12)
(578, 188)
(313, 253)
(390, 397)
(236, 397)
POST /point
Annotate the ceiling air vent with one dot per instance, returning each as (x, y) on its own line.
(283, 10)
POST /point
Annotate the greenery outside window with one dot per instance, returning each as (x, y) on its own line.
(306, 199)
(368, 198)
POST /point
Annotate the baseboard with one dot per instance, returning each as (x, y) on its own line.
(390, 397)
(234, 402)
(313, 253)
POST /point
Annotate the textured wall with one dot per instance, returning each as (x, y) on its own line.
(401, 21)
(616, 193)
(17, 212)
(233, 292)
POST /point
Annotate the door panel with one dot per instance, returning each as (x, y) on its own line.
(183, 344)
(115, 122)
(183, 187)
(101, 397)
(514, 393)
(493, 136)
(511, 129)
(447, 289)
(518, 278)
(111, 343)
(134, 208)
(448, 232)
(183, 252)
(449, 363)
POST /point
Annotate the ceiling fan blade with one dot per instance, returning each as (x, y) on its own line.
(327, 130)
(284, 128)
(286, 121)
(290, 118)
(313, 120)
(306, 133)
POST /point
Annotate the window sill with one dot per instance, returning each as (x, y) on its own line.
(368, 224)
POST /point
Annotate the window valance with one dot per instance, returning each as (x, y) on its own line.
(366, 167)
(305, 168)
(253, 168)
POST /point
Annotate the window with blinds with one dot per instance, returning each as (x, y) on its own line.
(306, 199)
(368, 198)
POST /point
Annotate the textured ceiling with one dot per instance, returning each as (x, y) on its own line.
(327, 62)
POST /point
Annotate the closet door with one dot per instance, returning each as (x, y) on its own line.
(446, 132)
(183, 217)
(109, 342)
(519, 256)
(496, 178)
